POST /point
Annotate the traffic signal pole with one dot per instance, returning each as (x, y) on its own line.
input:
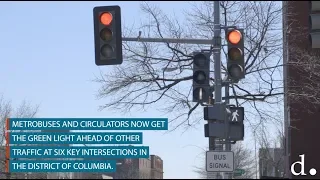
(228, 144)
(217, 54)
(169, 40)
(217, 75)
(227, 101)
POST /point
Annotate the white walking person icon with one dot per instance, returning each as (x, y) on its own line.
(234, 115)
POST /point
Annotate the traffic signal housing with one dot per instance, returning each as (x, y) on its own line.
(201, 76)
(235, 62)
(107, 35)
(314, 24)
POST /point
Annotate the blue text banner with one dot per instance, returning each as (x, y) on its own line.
(75, 138)
(62, 166)
(88, 123)
(79, 152)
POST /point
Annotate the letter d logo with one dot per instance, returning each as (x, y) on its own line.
(302, 167)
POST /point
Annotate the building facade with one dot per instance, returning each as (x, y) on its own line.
(134, 169)
(156, 167)
(271, 162)
(301, 116)
(140, 168)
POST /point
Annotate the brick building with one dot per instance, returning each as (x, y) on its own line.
(133, 169)
(142, 168)
(156, 167)
(301, 116)
(271, 162)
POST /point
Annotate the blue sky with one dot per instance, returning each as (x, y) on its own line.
(47, 58)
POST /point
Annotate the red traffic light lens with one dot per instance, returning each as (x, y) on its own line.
(234, 54)
(200, 60)
(106, 18)
(107, 51)
(106, 34)
(234, 36)
(235, 70)
(199, 77)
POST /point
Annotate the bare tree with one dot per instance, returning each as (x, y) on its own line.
(307, 87)
(243, 159)
(157, 73)
(271, 155)
(24, 110)
(161, 73)
(303, 84)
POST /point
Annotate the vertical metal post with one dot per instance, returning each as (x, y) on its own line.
(216, 53)
(217, 71)
(227, 101)
(228, 144)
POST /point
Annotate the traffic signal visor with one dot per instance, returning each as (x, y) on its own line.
(106, 34)
(199, 77)
(200, 60)
(234, 37)
(199, 93)
(106, 18)
(235, 70)
(235, 54)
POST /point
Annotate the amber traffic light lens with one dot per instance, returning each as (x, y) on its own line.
(106, 34)
(106, 18)
(235, 54)
(107, 51)
(234, 37)
(199, 77)
(235, 70)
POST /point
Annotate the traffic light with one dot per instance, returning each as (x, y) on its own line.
(107, 35)
(235, 62)
(314, 24)
(201, 76)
